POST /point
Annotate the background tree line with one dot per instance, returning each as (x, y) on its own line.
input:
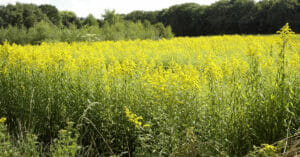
(32, 24)
(226, 17)
(29, 23)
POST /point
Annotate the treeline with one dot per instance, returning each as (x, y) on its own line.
(32, 24)
(29, 23)
(226, 17)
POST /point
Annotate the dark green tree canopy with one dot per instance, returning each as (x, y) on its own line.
(52, 13)
(111, 17)
(68, 18)
(139, 15)
(227, 17)
(90, 20)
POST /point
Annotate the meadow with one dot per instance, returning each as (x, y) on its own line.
(201, 96)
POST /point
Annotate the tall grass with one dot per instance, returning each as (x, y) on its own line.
(205, 96)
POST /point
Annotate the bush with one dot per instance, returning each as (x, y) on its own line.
(14, 35)
(47, 32)
(43, 32)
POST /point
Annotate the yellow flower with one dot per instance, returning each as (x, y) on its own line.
(132, 117)
(146, 125)
(2, 120)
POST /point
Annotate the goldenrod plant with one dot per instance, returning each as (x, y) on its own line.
(200, 96)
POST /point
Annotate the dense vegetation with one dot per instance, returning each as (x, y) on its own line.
(29, 23)
(205, 96)
(62, 93)
(45, 32)
(226, 17)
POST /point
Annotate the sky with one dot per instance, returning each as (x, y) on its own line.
(97, 7)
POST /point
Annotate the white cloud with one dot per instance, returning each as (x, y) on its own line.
(96, 7)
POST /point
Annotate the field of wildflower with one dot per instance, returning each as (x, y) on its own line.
(202, 96)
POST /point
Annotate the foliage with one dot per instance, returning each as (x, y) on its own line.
(111, 17)
(150, 16)
(288, 146)
(25, 146)
(14, 35)
(43, 31)
(200, 96)
(188, 19)
(225, 17)
(66, 144)
(47, 32)
(28, 145)
(90, 20)
(68, 18)
(52, 13)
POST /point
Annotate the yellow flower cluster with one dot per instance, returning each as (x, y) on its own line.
(162, 68)
(136, 120)
(268, 149)
(286, 32)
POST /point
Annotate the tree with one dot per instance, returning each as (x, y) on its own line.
(90, 20)
(138, 15)
(111, 17)
(273, 14)
(32, 15)
(68, 18)
(248, 22)
(12, 15)
(21, 15)
(182, 18)
(217, 19)
(52, 13)
(135, 16)
(240, 9)
(164, 32)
